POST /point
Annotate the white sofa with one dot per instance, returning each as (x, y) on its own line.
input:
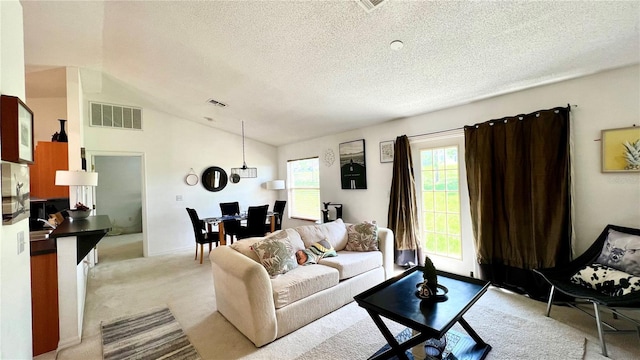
(265, 308)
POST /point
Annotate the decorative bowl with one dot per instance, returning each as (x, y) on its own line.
(79, 214)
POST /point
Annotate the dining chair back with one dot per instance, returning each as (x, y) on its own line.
(201, 234)
(278, 210)
(231, 227)
(256, 218)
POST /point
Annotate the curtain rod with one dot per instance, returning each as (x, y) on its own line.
(569, 106)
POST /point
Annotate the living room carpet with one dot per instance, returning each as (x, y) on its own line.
(154, 334)
(511, 337)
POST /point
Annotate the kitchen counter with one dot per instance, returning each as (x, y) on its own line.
(88, 231)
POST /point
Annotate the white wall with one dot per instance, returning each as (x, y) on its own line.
(606, 100)
(15, 270)
(171, 146)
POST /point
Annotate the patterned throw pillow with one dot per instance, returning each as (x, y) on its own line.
(276, 255)
(607, 280)
(323, 249)
(362, 237)
(621, 251)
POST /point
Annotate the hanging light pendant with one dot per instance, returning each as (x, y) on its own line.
(244, 171)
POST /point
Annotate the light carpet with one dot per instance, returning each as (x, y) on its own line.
(154, 334)
(511, 337)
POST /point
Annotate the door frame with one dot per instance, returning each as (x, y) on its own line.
(90, 157)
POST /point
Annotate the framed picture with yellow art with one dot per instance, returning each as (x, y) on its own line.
(621, 150)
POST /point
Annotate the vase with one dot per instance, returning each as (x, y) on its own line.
(62, 135)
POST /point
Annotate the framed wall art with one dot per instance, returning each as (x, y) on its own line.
(16, 121)
(621, 150)
(15, 192)
(386, 151)
(353, 169)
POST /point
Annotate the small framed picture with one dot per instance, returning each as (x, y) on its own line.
(621, 150)
(386, 151)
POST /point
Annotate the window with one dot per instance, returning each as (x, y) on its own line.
(304, 188)
(441, 201)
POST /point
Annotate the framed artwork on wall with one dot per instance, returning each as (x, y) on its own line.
(386, 151)
(621, 150)
(16, 121)
(15, 192)
(353, 169)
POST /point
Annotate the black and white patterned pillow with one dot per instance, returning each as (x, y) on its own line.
(607, 280)
(621, 251)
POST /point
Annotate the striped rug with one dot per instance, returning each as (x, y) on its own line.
(150, 335)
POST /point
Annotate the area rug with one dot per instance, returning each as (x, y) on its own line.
(511, 337)
(154, 334)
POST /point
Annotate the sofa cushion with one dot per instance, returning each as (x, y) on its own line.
(352, 263)
(362, 237)
(335, 232)
(291, 235)
(276, 255)
(621, 251)
(608, 281)
(302, 282)
(244, 247)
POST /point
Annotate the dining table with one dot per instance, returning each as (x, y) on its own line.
(219, 222)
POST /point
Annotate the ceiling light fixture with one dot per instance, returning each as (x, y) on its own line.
(396, 45)
(244, 171)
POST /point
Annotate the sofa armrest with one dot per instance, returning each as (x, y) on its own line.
(244, 295)
(386, 245)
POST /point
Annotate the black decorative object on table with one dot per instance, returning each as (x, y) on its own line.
(62, 135)
(428, 289)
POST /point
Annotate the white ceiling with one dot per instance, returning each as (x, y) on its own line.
(294, 70)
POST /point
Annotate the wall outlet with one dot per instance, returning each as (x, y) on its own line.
(20, 242)
(178, 197)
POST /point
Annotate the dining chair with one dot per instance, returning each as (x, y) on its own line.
(202, 235)
(256, 218)
(278, 211)
(230, 226)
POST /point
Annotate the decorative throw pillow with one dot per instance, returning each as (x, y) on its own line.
(607, 280)
(362, 237)
(276, 255)
(621, 251)
(323, 249)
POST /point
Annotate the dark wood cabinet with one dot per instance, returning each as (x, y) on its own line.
(44, 302)
(49, 157)
(16, 129)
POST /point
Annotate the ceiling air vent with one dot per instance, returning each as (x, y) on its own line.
(216, 103)
(370, 5)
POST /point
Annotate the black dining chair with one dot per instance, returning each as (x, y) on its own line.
(278, 213)
(230, 226)
(202, 235)
(256, 218)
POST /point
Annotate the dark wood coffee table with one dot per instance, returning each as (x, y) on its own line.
(396, 299)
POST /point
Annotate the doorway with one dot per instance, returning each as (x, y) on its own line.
(120, 195)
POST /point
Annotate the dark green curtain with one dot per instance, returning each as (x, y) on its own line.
(518, 174)
(402, 218)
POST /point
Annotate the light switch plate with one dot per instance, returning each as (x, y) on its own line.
(20, 242)
(178, 197)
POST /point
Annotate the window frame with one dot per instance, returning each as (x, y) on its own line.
(291, 189)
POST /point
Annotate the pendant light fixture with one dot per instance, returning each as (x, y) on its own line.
(244, 171)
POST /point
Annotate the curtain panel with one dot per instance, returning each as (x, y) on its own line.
(402, 217)
(518, 175)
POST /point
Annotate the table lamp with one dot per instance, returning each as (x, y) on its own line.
(79, 179)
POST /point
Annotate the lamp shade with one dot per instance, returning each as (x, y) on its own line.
(77, 178)
(275, 185)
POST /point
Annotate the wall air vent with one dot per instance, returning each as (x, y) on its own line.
(115, 116)
(216, 103)
(370, 5)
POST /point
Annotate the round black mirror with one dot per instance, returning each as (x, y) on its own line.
(214, 178)
(235, 178)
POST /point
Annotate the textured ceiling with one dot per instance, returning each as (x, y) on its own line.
(294, 70)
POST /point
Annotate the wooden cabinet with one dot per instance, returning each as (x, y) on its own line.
(44, 303)
(49, 157)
